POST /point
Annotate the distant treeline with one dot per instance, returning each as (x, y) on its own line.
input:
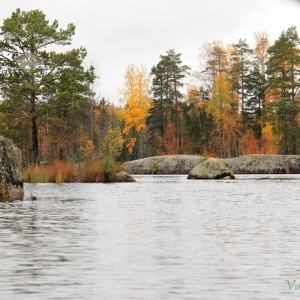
(242, 100)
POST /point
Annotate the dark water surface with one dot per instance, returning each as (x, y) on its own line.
(163, 237)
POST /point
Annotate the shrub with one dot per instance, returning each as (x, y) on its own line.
(109, 169)
(154, 168)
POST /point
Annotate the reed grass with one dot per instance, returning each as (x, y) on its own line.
(92, 171)
(60, 172)
(36, 174)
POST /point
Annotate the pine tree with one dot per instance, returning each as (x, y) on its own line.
(67, 112)
(255, 86)
(283, 78)
(240, 67)
(168, 77)
(28, 71)
(198, 124)
(214, 57)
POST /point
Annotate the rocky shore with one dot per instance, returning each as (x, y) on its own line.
(265, 164)
(11, 177)
(246, 164)
(169, 164)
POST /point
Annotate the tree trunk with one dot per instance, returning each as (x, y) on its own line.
(177, 126)
(34, 131)
(35, 142)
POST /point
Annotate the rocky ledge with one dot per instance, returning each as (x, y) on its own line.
(168, 164)
(265, 164)
(11, 177)
(247, 164)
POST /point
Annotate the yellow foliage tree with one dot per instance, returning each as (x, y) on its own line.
(268, 140)
(136, 100)
(87, 151)
(113, 143)
(223, 108)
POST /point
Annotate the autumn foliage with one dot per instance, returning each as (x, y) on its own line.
(168, 142)
(136, 101)
(242, 99)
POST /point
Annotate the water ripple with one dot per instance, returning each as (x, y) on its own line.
(163, 237)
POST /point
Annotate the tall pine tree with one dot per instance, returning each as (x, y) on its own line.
(28, 72)
(167, 82)
(283, 79)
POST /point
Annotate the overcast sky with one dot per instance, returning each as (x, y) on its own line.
(117, 33)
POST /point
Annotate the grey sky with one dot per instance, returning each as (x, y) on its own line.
(121, 32)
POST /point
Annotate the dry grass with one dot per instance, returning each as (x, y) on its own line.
(35, 174)
(98, 171)
(120, 167)
(91, 172)
(58, 172)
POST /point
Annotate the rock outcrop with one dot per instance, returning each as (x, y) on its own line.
(169, 164)
(211, 168)
(123, 177)
(11, 177)
(265, 164)
(247, 164)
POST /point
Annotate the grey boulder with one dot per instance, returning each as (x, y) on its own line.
(124, 177)
(11, 176)
(211, 168)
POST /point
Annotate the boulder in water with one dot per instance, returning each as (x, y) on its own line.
(211, 168)
(124, 177)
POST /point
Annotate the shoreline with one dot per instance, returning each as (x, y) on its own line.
(246, 164)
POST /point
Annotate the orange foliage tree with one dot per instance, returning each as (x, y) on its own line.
(249, 143)
(169, 141)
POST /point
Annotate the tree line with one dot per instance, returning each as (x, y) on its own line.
(241, 100)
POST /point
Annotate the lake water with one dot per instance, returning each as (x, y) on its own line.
(162, 237)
